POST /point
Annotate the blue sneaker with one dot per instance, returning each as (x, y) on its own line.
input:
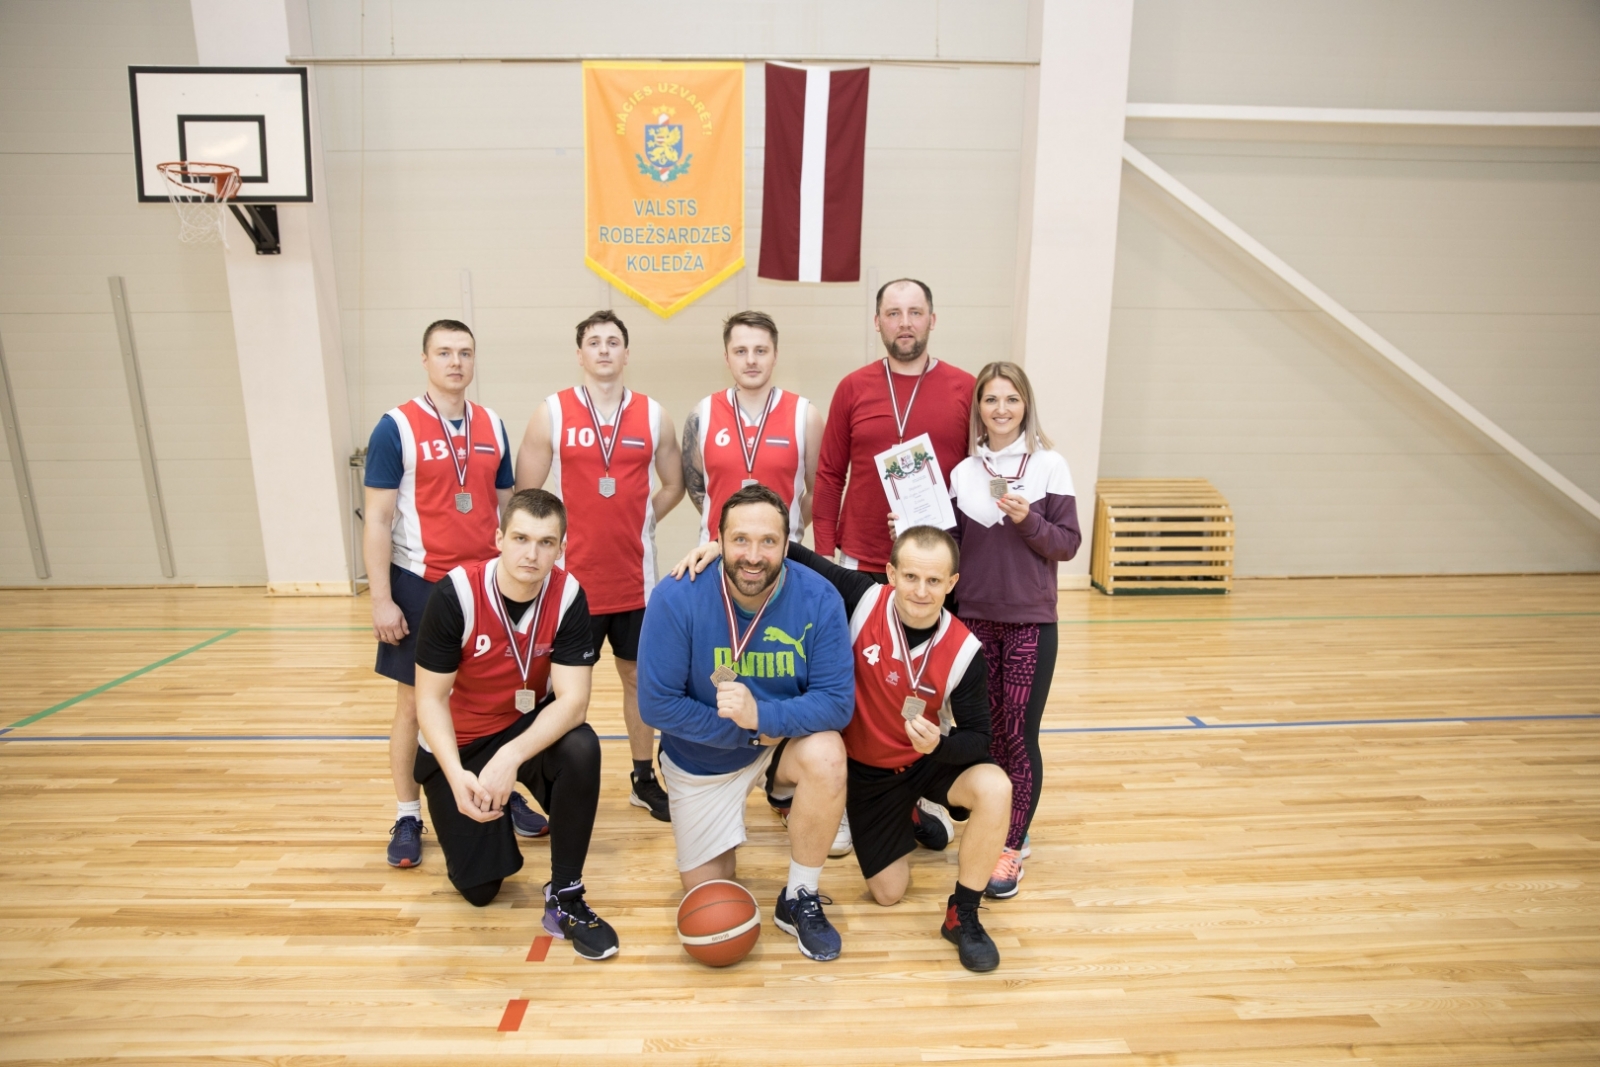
(524, 820)
(803, 919)
(405, 842)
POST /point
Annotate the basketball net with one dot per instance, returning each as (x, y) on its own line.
(200, 193)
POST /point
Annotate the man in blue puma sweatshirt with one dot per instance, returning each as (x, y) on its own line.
(750, 678)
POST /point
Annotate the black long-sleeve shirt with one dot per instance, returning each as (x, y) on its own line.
(968, 739)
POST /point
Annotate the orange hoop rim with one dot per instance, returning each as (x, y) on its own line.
(181, 175)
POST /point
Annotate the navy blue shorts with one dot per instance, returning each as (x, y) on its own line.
(410, 593)
(623, 628)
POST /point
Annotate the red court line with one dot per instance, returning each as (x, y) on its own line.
(540, 949)
(512, 1019)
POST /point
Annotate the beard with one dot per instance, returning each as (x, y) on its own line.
(918, 346)
(745, 587)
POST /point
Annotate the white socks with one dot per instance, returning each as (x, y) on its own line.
(412, 808)
(803, 878)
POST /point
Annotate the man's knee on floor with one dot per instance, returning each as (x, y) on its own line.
(481, 895)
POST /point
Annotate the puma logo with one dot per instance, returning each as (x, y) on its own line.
(772, 633)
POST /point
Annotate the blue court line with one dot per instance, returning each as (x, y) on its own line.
(1194, 725)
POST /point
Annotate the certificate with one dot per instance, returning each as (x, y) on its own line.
(915, 485)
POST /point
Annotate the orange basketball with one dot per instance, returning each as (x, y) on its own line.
(719, 923)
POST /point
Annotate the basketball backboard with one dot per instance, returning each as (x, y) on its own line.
(255, 118)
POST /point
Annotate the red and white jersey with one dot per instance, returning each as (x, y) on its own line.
(611, 541)
(431, 534)
(483, 699)
(876, 734)
(779, 446)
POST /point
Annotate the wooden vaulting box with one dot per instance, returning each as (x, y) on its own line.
(1160, 535)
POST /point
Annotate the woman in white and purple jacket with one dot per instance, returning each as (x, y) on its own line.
(1016, 518)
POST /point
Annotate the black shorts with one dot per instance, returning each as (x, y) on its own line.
(879, 804)
(410, 593)
(623, 628)
(479, 852)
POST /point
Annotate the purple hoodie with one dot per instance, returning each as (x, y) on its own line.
(1008, 570)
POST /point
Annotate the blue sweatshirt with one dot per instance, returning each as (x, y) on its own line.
(799, 667)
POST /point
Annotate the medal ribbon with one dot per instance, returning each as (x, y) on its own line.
(606, 448)
(736, 645)
(1022, 468)
(449, 442)
(751, 449)
(498, 606)
(914, 673)
(901, 420)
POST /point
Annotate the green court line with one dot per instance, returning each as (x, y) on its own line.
(97, 690)
(1063, 622)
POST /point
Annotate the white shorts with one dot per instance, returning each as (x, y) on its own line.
(708, 809)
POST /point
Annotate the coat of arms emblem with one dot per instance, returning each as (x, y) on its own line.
(664, 158)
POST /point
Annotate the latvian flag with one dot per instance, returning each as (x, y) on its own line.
(816, 150)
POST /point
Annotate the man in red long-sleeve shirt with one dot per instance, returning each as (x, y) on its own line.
(928, 396)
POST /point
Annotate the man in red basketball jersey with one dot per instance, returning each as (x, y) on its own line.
(601, 442)
(905, 394)
(503, 671)
(920, 730)
(438, 470)
(754, 432)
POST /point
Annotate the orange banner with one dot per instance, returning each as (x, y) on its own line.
(663, 147)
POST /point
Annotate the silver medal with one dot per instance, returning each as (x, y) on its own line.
(526, 700)
(747, 483)
(998, 487)
(608, 487)
(724, 674)
(463, 502)
(913, 708)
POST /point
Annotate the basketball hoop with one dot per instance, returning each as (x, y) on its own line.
(200, 192)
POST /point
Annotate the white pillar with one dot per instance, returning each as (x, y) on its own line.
(1067, 228)
(286, 330)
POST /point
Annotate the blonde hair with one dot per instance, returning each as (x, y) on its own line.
(1031, 430)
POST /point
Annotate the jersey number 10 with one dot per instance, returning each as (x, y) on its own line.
(580, 437)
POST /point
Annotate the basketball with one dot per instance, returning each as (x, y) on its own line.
(719, 923)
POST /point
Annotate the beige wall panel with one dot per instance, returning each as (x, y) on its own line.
(1514, 55)
(64, 114)
(1335, 464)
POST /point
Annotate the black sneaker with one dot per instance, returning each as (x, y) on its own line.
(405, 842)
(802, 919)
(963, 930)
(780, 806)
(931, 826)
(524, 820)
(567, 916)
(648, 794)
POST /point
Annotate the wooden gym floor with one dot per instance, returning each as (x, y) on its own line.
(1341, 822)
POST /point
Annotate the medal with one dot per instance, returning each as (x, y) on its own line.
(899, 419)
(460, 458)
(526, 699)
(752, 447)
(726, 672)
(999, 484)
(914, 705)
(608, 484)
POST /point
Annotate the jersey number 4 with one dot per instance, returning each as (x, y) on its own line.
(871, 652)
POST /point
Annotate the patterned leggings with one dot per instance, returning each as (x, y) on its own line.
(1021, 658)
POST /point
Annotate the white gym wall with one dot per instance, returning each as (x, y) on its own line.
(1479, 256)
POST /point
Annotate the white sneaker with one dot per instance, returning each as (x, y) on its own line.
(843, 844)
